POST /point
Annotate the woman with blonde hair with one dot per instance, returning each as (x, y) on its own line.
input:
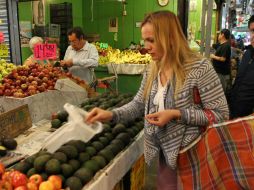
(180, 92)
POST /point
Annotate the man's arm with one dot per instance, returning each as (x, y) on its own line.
(218, 58)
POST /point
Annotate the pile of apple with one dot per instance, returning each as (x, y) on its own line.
(15, 180)
(26, 81)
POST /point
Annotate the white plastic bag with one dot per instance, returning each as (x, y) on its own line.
(74, 129)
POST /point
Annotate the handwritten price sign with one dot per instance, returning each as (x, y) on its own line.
(45, 51)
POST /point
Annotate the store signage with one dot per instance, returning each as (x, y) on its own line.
(45, 51)
(15, 121)
(4, 52)
(103, 45)
(1, 37)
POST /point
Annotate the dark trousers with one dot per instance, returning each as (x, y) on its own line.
(241, 108)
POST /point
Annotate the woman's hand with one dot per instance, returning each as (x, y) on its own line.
(98, 114)
(161, 118)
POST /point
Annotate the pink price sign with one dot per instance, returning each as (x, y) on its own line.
(45, 51)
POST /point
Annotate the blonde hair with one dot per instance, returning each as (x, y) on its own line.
(170, 40)
(35, 40)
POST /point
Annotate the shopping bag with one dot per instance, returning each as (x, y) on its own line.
(223, 158)
(74, 129)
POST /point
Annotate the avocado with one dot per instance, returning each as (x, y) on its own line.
(109, 136)
(106, 128)
(85, 103)
(56, 123)
(75, 164)
(103, 140)
(40, 162)
(31, 172)
(44, 176)
(107, 154)
(114, 148)
(84, 174)
(74, 183)
(91, 150)
(69, 150)
(62, 115)
(53, 166)
(102, 162)
(43, 152)
(3, 151)
(67, 170)
(10, 143)
(131, 132)
(135, 129)
(80, 145)
(119, 128)
(92, 165)
(119, 143)
(125, 137)
(97, 145)
(31, 159)
(83, 157)
(60, 156)
(23, 167)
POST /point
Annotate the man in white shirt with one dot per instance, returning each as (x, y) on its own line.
(80, 57)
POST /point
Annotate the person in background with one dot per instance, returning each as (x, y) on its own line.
(221, 59)
(177, 92)
(31, 59)
(242, 93)
(80, 57)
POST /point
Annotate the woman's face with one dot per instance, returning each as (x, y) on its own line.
(148, 37)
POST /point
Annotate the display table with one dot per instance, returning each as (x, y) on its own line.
(129, 69)
(43, 104)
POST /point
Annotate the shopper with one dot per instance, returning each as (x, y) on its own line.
(80, 57)
(31, 59)
(221, 59)
(242, 93)
(179, 92)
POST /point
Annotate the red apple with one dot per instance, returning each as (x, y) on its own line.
(30, 78)
(2, 169)
(46, 185)
(41, 88)
(51, 88)
(5, 185)
(31, 87)
(36, 179)
(18, 179)
(56, 180)
(41, 75)
(7, 92)
(23, 79)
(1, 92)
(32, 186)
(24, 87)
(23, 187)
(44, 84)
(18, 82)
(45, 79)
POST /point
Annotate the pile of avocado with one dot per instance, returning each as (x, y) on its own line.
(106, 100)
(7, 144)
(77, 162)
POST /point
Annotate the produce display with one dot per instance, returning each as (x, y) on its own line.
(77, 162)
(5, 68)
(25, 81)
(110, 55)
(7, 144)
(15, 180)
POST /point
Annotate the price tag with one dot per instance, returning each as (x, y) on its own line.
(4, 52)
(103, 45)
(45, 51)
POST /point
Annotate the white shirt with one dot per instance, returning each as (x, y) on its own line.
(84, 61)
(159, 99)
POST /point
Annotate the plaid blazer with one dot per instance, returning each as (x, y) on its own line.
(178, 134)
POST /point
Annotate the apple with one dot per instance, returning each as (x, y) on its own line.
(24, 87)
(45, 85)
(46, 185)
(18, 82)
(18, 179)
(41, 75)
(41, 88)
(31, 87)
(45, 79)
(56, 180)
(51, 88)
(36, 179)
(23, 79)
(30, 78)
(5, 185)
(2, 169)
(1, 92)
(34, 83)
(23, 187)
(32, 186)
(7, 92)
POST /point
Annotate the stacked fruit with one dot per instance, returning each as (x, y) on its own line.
(5, 68)
(15, 180)
(26, 81)
(7, 144)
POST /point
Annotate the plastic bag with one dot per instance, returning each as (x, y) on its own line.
(74, 129)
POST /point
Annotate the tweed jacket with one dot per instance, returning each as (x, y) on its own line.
(178, 134)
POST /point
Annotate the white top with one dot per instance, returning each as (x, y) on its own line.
(84, 60)
(159, 99)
